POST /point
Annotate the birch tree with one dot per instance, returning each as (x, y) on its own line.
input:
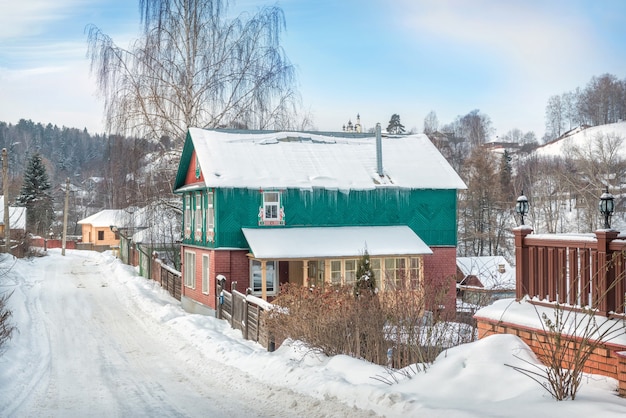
(195, 66)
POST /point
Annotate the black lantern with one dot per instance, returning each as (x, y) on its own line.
(521, 207)
(606, 206)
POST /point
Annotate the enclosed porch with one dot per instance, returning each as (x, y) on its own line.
(329, 256)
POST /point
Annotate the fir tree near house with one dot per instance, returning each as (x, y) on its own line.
(35, 196)
(365, 280)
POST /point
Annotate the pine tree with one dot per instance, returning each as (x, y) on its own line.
(36, 197)
(365, 280)
(395, 127)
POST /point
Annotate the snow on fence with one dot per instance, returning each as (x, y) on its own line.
(575, 270)
(169, 278)
(245, 313)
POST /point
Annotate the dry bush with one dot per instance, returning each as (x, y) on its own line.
(6, 328)
(331, 321)
(392, 328)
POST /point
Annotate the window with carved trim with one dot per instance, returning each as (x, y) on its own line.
(210, 217)
(187, 216)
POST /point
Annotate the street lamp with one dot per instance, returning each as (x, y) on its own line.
(521, 206)
(606, 206)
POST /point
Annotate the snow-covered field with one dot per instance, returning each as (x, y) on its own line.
(96, 340)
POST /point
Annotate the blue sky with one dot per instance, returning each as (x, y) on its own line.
(373, 57)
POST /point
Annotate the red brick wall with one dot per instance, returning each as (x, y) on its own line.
(440, 273)
(604, 360)
(232, 264)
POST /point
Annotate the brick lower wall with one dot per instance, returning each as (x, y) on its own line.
(607, 359)
(439, 273)
(232, 264)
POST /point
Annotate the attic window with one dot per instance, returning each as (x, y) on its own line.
(197, 167)
(271, 212)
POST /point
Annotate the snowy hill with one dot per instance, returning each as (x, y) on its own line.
(581, 137)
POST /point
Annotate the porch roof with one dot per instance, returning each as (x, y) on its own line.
(333, 242)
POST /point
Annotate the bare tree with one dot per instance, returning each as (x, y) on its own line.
(431, 123)
(195, 67)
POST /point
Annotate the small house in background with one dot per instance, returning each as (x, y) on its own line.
(97, 231)
(482, 280)
(264, 208)
(17, 219)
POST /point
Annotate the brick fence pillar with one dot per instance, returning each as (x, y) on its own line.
(521, 262)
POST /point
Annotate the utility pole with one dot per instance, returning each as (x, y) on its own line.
(5, 186)
(67, 203)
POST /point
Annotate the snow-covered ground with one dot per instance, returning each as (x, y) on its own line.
(96, 340)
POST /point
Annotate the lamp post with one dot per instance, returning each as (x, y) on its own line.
(521, 206)
(606, 206)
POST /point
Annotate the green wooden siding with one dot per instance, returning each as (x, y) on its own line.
(430, 213)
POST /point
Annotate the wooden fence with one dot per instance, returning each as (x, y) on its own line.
(169, 278)
(574, 270)
(245, 313)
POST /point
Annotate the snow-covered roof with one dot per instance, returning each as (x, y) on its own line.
(487, 270)
(17, 216)
(582, 137)
(123, 218)
(309, 160)
(331, 242)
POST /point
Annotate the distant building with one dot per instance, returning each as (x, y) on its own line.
(353, 128)
(482, 280)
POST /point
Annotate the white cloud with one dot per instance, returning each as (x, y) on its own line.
(29, 17)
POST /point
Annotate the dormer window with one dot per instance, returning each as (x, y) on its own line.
(271, 211)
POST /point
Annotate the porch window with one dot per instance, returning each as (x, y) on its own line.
(335, 272)
(349, 271)
(395, 270)
(198, 217)
(375, 266)
(210, 218)
(187, 216)
(205, 273)
(256, 277)
(414, 273)
(316, 273)
(190, 269)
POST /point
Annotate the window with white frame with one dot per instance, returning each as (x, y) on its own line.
(210, 217)
(271, 212)
(271, 276)
(198, 217)
(190, 269)
(271, 205)
(187, 216)
(205, 273)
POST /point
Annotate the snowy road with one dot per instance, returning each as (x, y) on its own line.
(88, 350)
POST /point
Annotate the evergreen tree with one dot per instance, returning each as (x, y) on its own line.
(395, 127)
(365, 280)
(36, 197)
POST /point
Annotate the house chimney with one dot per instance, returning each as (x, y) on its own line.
(379, 151)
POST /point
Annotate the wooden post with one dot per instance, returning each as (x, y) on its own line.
(521, 262)
(65, 209)
(263, 280)
(5, 186)
(305, 273)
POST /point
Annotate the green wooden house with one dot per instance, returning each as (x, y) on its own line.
(264, 208)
